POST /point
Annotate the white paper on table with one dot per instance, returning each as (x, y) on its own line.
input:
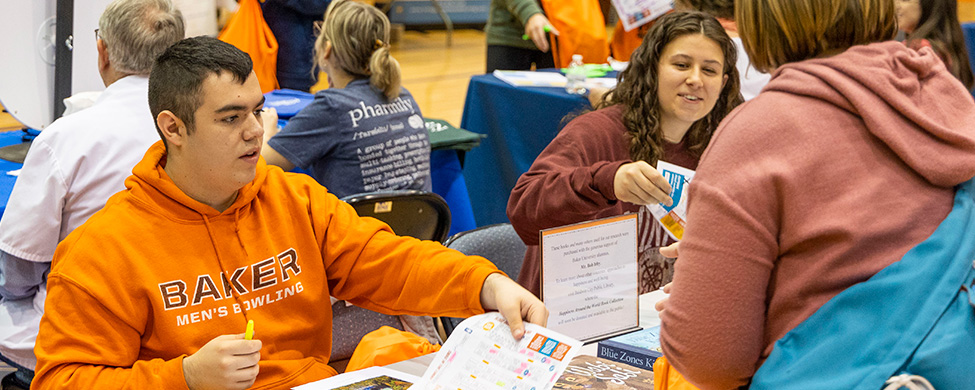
(673, 218)
(602, 82)
(15, 172)
(635, 13)
(481, 354)
(354, 377)
(522, 78)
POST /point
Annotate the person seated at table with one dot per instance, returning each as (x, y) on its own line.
(154, 290)
(934, 24)
(365, 132)
(78, 162)
(680, 83)
(752, 80)
(779, 220)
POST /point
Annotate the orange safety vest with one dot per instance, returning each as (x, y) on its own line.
(248, 31)
(582, 30)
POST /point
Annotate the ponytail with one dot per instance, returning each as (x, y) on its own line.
(350, 26)
(385, 71)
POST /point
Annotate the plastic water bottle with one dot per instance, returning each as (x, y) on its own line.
(576, 76)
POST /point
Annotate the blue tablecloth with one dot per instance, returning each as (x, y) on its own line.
(519, 123)
(8, 138)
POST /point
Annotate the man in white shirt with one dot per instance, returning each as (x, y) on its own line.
(77, 163)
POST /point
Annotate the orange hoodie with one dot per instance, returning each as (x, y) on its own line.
(155, 275)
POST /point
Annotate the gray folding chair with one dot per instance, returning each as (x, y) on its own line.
(498, 243)
(418, 214)
(350, 323)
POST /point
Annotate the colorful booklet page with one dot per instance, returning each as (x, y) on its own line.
(673, 218)
(481, 354)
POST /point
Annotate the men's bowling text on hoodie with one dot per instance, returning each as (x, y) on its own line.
(271, 277)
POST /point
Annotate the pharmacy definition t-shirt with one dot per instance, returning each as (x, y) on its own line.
(354, 140)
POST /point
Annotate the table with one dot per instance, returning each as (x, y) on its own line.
(8, 138)
(519, 123)
(649, 317)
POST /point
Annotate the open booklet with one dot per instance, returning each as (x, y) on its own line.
(481, 354)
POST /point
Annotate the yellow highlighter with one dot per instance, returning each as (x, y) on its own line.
(249, 333)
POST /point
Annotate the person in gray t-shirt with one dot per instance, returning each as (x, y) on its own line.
(365, 133)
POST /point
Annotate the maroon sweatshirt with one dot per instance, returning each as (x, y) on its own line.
(572, 181)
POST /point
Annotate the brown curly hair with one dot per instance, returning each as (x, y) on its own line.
(637, 87)
(724, 9)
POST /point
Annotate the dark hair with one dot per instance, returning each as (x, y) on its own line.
(176, 80)
(637, 87)
(724, 9)
(939, 26)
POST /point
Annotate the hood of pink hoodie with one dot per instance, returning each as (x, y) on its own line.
(906, 98)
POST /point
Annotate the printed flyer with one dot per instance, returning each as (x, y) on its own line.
(481, 354)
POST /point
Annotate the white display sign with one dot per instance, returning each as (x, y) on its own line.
(589, 276)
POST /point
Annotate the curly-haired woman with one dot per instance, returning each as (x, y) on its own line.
(680, 83)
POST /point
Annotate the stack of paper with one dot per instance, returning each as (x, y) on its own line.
(520, 78)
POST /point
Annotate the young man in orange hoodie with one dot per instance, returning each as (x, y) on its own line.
(155, 289)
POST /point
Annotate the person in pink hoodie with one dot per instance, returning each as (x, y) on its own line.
(847, 159)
